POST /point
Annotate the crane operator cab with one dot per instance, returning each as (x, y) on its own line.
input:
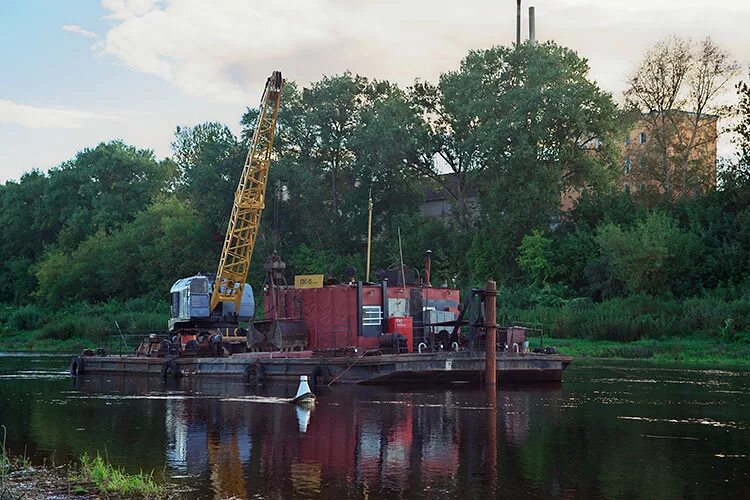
(196, 327)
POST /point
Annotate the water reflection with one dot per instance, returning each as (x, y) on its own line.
(303, 416)
(355, 440)
(592, 437)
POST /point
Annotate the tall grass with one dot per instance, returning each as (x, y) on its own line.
(682, 350)
(640, 317)
(77, 325)
(109, 479)
(9, 464)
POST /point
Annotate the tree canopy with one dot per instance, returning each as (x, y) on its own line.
(519, 128)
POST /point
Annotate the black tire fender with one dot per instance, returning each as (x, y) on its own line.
(170, 369)
(254, 374)
(77, 366)
(319, 376)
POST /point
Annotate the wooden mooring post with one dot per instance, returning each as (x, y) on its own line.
(490, 329)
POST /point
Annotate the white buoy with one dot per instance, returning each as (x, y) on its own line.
(304, 394)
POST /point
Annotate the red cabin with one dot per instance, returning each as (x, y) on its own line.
(357, 314)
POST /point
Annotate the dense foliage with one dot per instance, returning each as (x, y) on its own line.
(518, 128)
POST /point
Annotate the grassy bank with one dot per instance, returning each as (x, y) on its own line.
(89, 479)
(684, 350)
(706, 330)
(98, 474)
(77, 326)
(631, 318)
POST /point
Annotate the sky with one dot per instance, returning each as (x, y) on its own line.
(75, 73)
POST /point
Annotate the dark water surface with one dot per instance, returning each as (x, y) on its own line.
(619, 430)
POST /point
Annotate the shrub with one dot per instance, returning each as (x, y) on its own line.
(636, 317)
(26, 318)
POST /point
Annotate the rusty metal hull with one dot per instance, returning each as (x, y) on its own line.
(433, 368)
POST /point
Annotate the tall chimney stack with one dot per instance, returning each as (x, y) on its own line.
(518, 22)
(532, 27)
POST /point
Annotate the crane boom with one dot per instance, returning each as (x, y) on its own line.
(249, 200)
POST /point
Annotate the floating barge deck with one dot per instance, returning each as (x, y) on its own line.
(434, 367)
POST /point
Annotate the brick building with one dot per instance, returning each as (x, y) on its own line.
(674, 153)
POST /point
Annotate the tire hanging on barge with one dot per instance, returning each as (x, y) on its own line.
(170, 369)
(319, 376)
(77, 366)
(254, 374)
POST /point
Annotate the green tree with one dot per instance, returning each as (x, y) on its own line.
(542, 129)
(534, 257)
(165, 242)
(99, 190)
(209, 159)
(338, 139)
(654, 257)
(448, 140)
(22, 242)
(735, 172)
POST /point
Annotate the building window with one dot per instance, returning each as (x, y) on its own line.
(642, 162)
(626, 188)
(642, 187)
(627, 140)
(626, 166)
(642, 138)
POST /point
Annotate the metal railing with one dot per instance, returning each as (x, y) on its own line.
(126, 342)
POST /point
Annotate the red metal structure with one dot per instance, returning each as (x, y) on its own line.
(357, 314)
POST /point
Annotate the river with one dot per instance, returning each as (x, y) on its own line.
(611, 430)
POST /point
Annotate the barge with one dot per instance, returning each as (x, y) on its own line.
(254, 368)
(354, 332)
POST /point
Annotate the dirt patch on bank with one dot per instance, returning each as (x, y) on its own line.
(43, 483)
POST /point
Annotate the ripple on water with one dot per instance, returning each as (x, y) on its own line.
(685, 438)
(704, 371)
(700, 421)
(700, 383)
(34, 375)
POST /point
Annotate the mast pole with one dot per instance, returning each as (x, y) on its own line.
(369, 234)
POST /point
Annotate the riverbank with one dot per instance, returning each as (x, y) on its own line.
(77, 326)
(33, 342)
(89, 479)
(684, 350)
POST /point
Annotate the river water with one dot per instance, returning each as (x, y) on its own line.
(611, 430)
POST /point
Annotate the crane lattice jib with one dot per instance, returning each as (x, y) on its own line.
(249, 200)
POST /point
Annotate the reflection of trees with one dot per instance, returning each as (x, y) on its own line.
(130, 435)
(363, 441)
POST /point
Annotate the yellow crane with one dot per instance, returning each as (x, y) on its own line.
(249, 201)
(205, 315)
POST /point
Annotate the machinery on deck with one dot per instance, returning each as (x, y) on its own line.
(206, 311)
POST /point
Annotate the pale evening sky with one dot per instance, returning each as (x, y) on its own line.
(76, 73)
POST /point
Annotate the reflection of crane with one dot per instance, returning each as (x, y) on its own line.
(197, 304)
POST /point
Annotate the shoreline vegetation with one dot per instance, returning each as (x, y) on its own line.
(90, 477)
(693, 332)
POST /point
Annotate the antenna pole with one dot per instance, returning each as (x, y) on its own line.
(369, 234)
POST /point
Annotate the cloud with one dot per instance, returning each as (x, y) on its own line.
(125, 9)
(74, 28)
(45, 117)
(223, 49)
